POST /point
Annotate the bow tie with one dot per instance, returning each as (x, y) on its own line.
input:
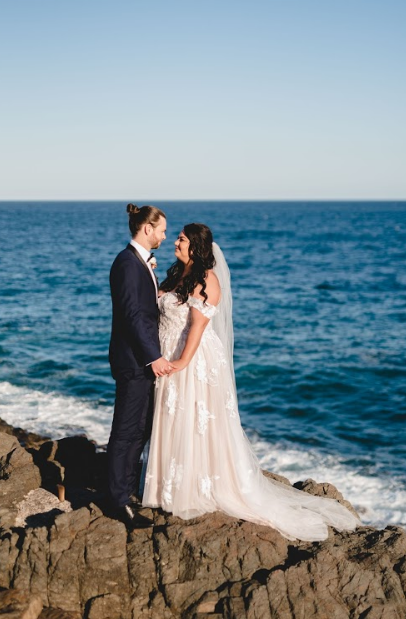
(150, 256)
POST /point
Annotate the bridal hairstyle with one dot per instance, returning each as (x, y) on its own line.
(201, 253)
(138, 217)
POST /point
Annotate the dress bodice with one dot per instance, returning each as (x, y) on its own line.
(175, 317)
(175, 321)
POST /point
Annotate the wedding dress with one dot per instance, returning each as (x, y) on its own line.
(200, 459)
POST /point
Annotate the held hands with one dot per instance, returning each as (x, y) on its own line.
(177, 366)
(162, 367)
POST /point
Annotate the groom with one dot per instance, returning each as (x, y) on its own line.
(134, 355)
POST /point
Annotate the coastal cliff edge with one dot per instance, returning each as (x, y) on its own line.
(67, 559)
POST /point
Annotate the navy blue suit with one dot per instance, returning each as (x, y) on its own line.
(134, 344)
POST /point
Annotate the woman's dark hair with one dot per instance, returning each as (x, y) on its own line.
(140, 216)
(201, 253)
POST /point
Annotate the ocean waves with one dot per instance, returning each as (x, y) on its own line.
(378, 497)
(54, 415)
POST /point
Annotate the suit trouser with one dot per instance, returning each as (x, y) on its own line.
(131, 429)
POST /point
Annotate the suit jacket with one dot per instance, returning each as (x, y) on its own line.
(134, 334)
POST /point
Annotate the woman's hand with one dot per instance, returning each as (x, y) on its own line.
(177, 366)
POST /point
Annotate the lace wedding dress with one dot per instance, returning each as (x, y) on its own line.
(200, 459)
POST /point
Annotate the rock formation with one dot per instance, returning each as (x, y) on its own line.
(81, 563)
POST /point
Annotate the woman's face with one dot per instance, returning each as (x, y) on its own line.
(182, 244)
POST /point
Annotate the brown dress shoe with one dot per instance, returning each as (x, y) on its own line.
(133, 519)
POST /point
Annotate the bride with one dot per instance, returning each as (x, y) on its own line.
(200, 459)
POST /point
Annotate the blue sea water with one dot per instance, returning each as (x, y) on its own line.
(320, 323)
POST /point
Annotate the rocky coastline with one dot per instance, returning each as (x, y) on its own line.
(67, 559)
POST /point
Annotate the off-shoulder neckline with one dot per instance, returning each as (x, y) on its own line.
(207, 304)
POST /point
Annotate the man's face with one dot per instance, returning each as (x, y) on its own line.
(158, 233)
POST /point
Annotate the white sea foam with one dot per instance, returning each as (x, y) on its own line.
(54, 415)
(380, 499)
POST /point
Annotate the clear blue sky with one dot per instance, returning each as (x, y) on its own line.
(277, 99)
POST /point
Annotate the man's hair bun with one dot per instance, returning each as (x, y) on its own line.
(138, 217)
(132, 209)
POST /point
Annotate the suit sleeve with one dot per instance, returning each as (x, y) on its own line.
(142, 328)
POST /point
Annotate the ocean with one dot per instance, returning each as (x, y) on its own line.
(319, 293)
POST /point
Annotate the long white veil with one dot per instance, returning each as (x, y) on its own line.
(223, 319)
(266, 501)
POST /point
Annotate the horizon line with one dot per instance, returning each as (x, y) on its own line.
(205, 200)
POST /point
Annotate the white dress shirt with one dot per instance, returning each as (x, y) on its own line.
(145, 254)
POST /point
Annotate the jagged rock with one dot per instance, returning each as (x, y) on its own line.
(71, 461)
(324, 489)
(15, 604)
(57, 613)
(350, 575)
(18, 475)
(84, 564)
(205, 554)
(52, 472)
(76, 454)
(280, 478)
(40, 507)
(26, 439)
(217, 566)
(104, 606)
(80, 558)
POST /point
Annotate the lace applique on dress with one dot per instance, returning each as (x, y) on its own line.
(171, 397)
(203, 416)
(201, 368)
(206, 484)
(220, 356)
(209, 377)
(205, 308)
(174, 479)
(230, 405)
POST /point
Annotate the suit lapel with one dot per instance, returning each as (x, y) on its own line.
(144, 264)
(138, 255)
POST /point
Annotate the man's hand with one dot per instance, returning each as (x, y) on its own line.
(161, 367)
